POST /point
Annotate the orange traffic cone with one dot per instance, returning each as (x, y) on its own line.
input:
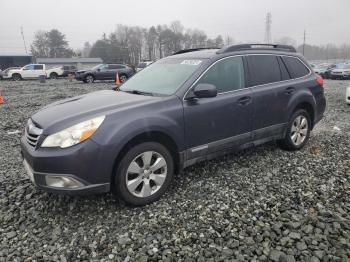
(117, 80)
(1, 99)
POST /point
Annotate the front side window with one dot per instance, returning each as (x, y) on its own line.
(263, 69)
(164, 77)
(227, 75)
(29, 67)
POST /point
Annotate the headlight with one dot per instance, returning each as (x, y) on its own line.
(73, 135)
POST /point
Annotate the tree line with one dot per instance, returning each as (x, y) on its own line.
(131, 44)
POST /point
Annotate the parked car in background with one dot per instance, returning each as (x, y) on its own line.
(321, 70)
(143, 65)
(105, 72)
(327, 73)
(341, 71)
(347, 96)
(69, 70)
(34, 71)
(4, 73)
(183, 109)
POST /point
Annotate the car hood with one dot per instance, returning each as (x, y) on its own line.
(68, 112)
(81, 71)
(338, 70)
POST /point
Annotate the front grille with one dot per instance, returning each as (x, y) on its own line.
(32, 133)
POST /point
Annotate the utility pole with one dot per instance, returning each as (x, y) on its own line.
(268, 23)
(304, 42)
(24, 42)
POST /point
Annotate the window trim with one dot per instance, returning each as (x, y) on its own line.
(245, 74)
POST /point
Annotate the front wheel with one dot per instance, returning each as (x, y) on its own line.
(298, 131)
(89, 79)
(16, 77)
(144, 174)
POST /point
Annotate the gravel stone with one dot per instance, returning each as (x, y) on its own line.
(260, 204)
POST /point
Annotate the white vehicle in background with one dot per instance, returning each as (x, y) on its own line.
(342, 71)
(34, 71)
(143, 65)
(347, 97)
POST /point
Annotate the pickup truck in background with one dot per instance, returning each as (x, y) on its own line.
(34, 71)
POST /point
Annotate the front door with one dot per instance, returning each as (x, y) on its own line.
(224, 121)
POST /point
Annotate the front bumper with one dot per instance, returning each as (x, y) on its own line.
(78, 162)
(79, 77)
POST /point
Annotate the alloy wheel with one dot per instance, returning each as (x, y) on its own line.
(146, 174)
(299, 130)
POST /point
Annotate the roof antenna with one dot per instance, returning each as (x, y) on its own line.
(24, 42)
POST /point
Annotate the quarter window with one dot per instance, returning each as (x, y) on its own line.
(263, 69)
(295, 67)
(227, 75)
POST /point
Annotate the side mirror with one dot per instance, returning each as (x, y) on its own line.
(205, 91)
(98, 70)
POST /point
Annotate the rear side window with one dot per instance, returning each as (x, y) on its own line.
(38, 67)
(295, 67)
(263, 69)
(116, 67)
(227, 75)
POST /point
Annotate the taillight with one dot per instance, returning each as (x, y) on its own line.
(319, 80)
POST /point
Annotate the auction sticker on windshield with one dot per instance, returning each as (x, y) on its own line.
(191, 62)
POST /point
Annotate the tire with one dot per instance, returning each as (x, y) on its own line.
(89, 79)
(16, 77)
(123, 78)
(53, 76)
(297, 134)
(149, 184)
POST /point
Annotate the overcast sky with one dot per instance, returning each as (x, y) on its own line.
(325, 21)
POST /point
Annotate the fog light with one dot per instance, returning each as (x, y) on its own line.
(62, 181)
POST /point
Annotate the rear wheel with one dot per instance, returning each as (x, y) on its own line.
(298, 131)
(144, 174)
(123, 78)
(16, 77)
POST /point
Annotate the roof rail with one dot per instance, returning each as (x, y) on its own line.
(233, 48)
(193, 50)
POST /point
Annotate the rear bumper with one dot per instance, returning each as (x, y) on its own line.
(320, 108)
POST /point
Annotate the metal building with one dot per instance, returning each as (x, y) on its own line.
(14, 60)
(79, 62)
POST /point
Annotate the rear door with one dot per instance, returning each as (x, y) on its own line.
(38, 70)
(269, 94)
(221, 122)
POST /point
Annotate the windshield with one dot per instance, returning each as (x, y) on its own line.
(163, 77)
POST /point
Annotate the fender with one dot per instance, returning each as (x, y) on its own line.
(301, 97)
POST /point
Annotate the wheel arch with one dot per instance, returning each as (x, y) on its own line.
(307, 106)
(150, 136)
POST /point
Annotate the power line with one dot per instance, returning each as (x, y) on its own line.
(24, 42)
(268, 23)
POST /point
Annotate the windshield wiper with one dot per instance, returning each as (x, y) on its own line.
(137, 92)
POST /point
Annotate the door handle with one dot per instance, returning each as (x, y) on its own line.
(289, 90)
(244, 100)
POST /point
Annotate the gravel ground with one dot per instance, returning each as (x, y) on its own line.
(262, 204)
